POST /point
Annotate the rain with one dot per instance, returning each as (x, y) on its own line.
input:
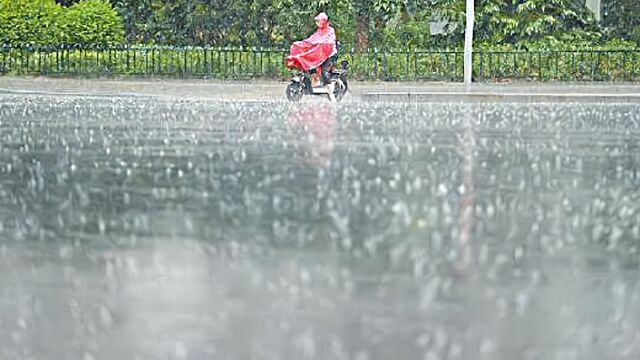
(146, 227)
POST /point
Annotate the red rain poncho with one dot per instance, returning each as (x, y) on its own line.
(310, 53)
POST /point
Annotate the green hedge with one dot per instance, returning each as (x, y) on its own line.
(43, 22)
(580, 65)
(388, 65)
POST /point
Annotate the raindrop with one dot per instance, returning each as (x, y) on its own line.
(518, 253)
(306, 342)
(305, 277)
(180, 351)
(486, 348)
(442, 189)
(105, 316)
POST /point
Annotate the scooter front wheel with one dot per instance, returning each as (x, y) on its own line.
(294, 91)
(340, 90)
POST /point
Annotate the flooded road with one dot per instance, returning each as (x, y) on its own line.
(147, 228)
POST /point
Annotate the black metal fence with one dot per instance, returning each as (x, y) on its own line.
(373, 64)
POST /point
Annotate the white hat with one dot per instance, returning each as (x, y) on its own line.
(321, 16)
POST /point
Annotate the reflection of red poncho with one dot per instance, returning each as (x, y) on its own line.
(313, 51)
(318, 123)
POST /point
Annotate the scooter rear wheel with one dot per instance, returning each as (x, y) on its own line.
(294, 91)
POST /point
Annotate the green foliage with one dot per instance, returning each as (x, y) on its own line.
(569, 40)
(408, 31)
(525, 24)
(362, 24)
(621, 19)
(43, 22)
(30, 22)
(93, 22)
(519, 22)
(252, 22)
(619, 44)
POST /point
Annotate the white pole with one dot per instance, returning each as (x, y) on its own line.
(468, 43)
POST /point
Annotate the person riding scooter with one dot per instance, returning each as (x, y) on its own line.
(317, 51)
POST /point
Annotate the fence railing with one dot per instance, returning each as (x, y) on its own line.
(373, 64)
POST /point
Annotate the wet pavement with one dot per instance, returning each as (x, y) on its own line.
(137, 227)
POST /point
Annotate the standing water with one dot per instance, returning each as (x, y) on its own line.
(138, 228)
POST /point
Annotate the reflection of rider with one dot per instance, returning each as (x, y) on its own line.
(318, 123)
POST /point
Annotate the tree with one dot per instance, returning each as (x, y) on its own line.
(364, 23)
(372, 17)
(621, 19)
(517, 22)
(137, 16)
